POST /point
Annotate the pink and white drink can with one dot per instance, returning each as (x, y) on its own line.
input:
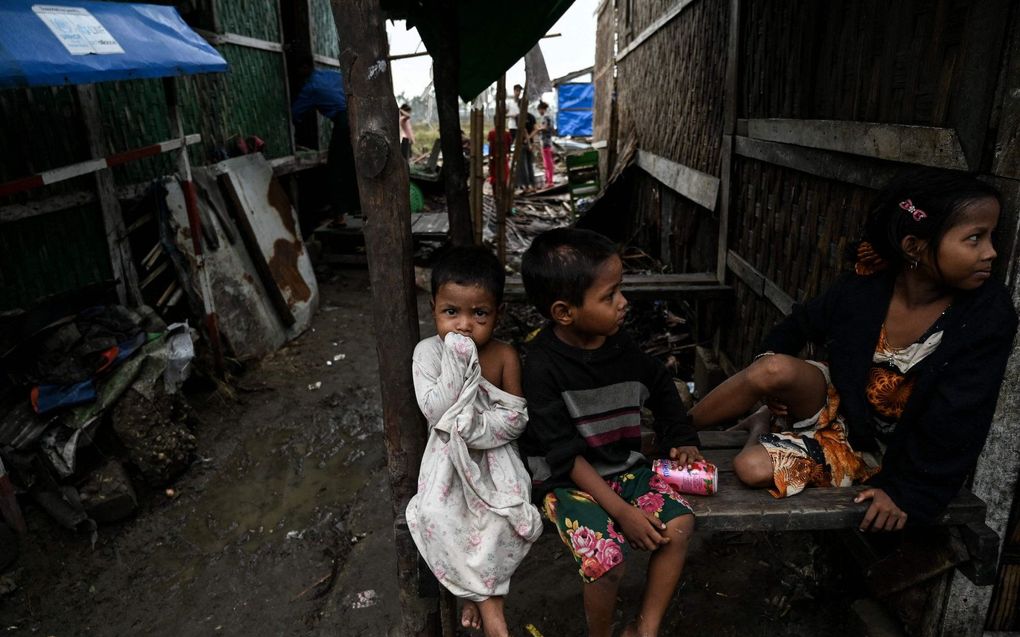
(702, 478)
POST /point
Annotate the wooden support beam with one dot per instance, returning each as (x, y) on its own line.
(667, 17)
(446, 75)
(759, 283)
(383, 184)
(731, 96)
(117, 242)
(699, 187)
(850, 169)
(925, 145)
(240, 40)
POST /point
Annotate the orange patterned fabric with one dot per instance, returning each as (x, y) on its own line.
(888, 392)
(868, 261)
(792, 467)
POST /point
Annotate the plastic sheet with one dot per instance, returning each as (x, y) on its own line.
(154, 39)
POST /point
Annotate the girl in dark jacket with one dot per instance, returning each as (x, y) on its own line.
(917, 340)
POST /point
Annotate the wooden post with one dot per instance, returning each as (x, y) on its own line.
(446, 72)
(121, 262)
(499, 181)
(383, 184)
(477, 173)
(730, 102)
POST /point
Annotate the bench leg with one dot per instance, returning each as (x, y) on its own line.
(982, 545)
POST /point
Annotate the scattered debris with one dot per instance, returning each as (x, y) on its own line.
(108, 496)
(314, 386)
(364, 599)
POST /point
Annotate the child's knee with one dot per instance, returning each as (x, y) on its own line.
(680, 529)
(753, 466)
(772, 373)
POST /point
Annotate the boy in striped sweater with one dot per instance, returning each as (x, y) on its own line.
(586, 383)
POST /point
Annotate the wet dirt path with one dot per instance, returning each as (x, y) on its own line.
(284, 527)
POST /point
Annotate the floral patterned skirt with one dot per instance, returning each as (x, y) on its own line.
(815, 452)
(589, 532)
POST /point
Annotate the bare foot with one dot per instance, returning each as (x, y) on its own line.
(470, 617)
(631, 630)
(755, 424)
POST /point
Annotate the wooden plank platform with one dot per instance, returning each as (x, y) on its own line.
(430, 225)
(737, 507)
(648, 286)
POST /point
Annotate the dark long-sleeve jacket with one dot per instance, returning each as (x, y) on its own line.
(946, 420)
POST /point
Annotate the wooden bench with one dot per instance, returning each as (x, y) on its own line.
(736, 507)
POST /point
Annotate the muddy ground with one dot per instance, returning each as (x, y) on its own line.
(284, 522)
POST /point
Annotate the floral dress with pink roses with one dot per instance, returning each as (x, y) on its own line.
(472, 518)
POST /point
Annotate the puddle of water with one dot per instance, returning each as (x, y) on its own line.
(281, 480)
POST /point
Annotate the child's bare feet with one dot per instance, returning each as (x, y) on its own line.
(632, 630)
(756, 424)
(470, 617)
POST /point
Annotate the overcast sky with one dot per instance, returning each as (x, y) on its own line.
(573, 50)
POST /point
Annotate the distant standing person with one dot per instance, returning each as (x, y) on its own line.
(545, 129)
(406, 132)
(513, 111)
(323, 91)
(526, 161)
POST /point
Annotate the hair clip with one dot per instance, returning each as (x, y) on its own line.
(914, 211)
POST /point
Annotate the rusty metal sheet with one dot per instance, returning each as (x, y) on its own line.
(269, 223)
(247, 321)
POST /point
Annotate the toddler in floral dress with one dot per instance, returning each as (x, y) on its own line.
(472, 518)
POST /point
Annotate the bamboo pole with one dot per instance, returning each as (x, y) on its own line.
(383, 184)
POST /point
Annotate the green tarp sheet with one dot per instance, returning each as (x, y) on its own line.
(493, 35)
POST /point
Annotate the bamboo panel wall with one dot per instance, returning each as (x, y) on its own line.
(692, 229)
(670, 89)
(52, 253)
(253, 18)
(324, 36)
(603, 73)
(862, 60)
(324, 42)
(256, 101)
(41, 130)
(637, 15)
(794, 228)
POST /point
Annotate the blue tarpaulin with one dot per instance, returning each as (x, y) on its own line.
(82, 42)
(574, 109)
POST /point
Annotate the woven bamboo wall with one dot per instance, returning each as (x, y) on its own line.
(51, 253)
(603, 73)
(795, 229)
(670, 88)
(863, 60)
(670, 92)
(692, 230)
(40, 130)
(257, 102)
(324, 42)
